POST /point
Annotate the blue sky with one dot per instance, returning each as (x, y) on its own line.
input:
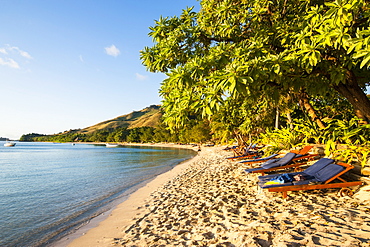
(67, 64)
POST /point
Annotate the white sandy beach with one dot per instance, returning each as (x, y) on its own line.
(210, 201)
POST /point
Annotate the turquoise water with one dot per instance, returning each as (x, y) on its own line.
(47, 190)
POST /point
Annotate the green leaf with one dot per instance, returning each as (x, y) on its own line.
(208, 110)
(276, 68)
(352, 47)
(365, 61)
(360, 54)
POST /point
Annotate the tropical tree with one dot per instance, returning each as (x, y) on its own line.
(120, 135)
(147, 134)
(162, 134)
(260, 52)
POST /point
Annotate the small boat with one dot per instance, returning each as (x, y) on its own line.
(9, 144)
(109, 145)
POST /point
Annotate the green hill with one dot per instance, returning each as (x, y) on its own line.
(142, 126)
(107, 130)
(147, 117)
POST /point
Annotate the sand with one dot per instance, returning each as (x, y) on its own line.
(211, 201)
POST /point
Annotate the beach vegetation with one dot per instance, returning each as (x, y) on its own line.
(198, 132)
(280, 139)
(349, 153)
(346, 140)
(286, 72)
(163, 134)
(261, 51)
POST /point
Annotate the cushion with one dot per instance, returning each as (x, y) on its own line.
(280, 162)
(313, 169)
(328, 172)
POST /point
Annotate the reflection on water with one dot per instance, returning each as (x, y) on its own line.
(48, 188)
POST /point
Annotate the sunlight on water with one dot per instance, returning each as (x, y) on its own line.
(46, 188)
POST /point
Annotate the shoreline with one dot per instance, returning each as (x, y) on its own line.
(127, 205)
(210, 201)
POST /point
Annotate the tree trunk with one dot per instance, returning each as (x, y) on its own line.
(290, 121)
(363, 119)
(355, 95)
(277, 119)
(303, 101)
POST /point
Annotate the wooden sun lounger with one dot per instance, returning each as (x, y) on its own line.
(306, 185)
(246, 152)
(308, 157)
(246, 156)
(301, 154)
(303, 150)
(294, 165)
(274, 166)
(285, 189)
(259, 160)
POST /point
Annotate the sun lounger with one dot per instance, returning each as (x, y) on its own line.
(317, 176)
(298, 157)
(306, 157)
(303, 154)
(230, 148)
(247, 153)
(300, 154)
(274, 164)
(260, 159)
(303, 150)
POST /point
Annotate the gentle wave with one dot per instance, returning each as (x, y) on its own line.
(47, 190)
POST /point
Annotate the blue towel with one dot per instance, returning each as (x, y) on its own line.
(283, 178)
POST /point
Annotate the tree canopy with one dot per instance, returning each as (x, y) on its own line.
(245, 59)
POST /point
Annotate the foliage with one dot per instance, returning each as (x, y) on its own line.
(280, 139)
(344, 140)
(248, 53)
(339, 131)
(347, 141)
(140, 134)
(30, 137)
(333, 106)
(348, 153)
(346, 132)
(162, 134)
(308, 131)
(197, 133)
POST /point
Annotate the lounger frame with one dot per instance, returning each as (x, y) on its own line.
(326, 185)
(309, 157)
(303, 152)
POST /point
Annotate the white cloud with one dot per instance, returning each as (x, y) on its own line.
(141, 77)
(9, 62)
(18, 51)
(25, 54)
(112, 51)
(3, 51)
(10, 54)
(81, 58)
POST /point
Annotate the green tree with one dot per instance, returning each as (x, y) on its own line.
(162, 134)
(261, 51)
(121, 135)
(147, 134)
(99, 135)
(134, 135)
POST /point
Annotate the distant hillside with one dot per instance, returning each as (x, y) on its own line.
(136, 127)
(148, 117)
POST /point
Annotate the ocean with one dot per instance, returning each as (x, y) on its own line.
(48, 189)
